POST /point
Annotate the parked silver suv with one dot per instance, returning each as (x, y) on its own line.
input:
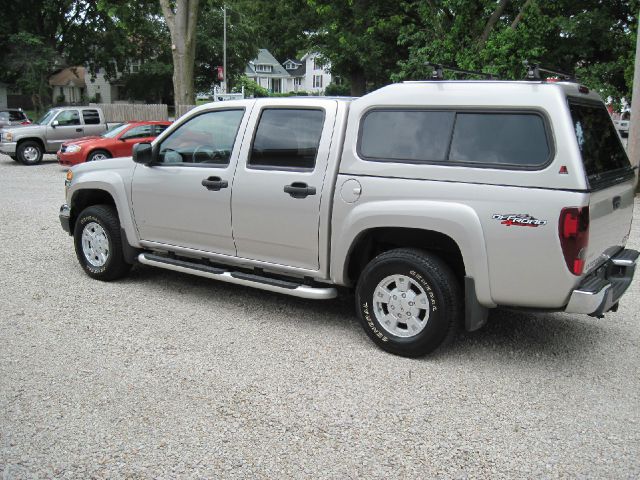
(434, 201)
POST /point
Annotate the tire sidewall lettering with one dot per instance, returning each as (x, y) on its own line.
(83, 221)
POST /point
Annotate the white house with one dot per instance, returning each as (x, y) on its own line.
(308, 74)
(267, 72)
(316, 73)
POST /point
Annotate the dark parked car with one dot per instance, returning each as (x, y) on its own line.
(13, 116)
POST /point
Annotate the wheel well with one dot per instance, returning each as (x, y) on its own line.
(99, 150)
(372, 243)
(85, 198)
(35, 139)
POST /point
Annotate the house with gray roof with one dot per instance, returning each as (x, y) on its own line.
(267, 72)
(308, 74)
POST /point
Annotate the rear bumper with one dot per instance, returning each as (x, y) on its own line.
(601, 290)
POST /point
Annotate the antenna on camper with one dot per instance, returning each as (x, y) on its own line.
(439, 68)
(534, 69)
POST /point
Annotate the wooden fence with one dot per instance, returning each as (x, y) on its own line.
(124, 112)
(182, 109)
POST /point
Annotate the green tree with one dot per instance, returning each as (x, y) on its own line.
(242, 44)
(360, 39)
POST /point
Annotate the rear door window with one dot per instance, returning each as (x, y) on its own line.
(91, 117)
(599, 144)
(287, 138)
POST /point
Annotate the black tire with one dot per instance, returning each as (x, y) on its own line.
(113, 265)
(98, 153)
(24, 152)
(426, 275)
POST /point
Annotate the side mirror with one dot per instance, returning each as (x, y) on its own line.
(143, 153)
(55, 123)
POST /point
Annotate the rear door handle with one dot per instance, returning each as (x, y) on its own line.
(78, 129)
(299, 190)
(214, 183)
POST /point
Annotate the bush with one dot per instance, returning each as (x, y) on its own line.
(251, 88)
(336, 90)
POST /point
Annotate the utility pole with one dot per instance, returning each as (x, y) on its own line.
(224, 49)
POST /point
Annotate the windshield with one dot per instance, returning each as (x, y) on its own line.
(599, 144)
(46, 118)
(115, 131)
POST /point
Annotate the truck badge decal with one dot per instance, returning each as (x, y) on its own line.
(518, 220)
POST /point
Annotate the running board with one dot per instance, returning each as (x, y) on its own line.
(240, 278)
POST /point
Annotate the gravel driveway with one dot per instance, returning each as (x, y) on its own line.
(166, 375)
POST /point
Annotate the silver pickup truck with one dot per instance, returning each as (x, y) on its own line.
(433, 201)
(27, 144)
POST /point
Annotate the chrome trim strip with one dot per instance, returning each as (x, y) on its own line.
(301, 291)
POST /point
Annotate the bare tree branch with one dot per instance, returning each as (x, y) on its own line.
(516, 20)
(495, 16)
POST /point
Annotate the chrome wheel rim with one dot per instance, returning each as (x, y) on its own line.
(401, 306)
(98, 156)
(30, 154)
(95, 244)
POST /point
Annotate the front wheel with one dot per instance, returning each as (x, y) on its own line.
(30, 152)
(98, 243)
(98, 155)
(409, 302)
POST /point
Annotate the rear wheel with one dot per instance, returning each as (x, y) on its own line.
(30, 152)
(409, 302)
(99, 244)
(98, 155)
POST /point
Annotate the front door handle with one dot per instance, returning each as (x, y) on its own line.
(299, 190)
(214, 183)
(78, 129)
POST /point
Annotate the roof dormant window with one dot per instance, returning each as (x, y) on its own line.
(261, 67)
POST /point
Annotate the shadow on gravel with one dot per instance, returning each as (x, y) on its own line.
(521, 336)
(333, 312)
(530, 337)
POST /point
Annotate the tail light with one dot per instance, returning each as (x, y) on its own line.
(574, 237)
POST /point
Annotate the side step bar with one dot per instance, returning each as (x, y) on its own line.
(240, 278)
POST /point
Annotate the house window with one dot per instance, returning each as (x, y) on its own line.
(135, 67)
(318, 64)
(264, 68)
(317, 81)
(297, 81)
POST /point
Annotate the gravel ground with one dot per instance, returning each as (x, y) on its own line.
(170, 376)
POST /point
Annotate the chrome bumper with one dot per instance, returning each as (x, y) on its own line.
(65, 217)
(8, 148)
(601, 290)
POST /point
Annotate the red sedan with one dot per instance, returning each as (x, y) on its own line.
(117, 142)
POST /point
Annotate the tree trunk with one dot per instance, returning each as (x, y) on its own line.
(182, 21)
(358, 83)
(633, 141)
(495, 16)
